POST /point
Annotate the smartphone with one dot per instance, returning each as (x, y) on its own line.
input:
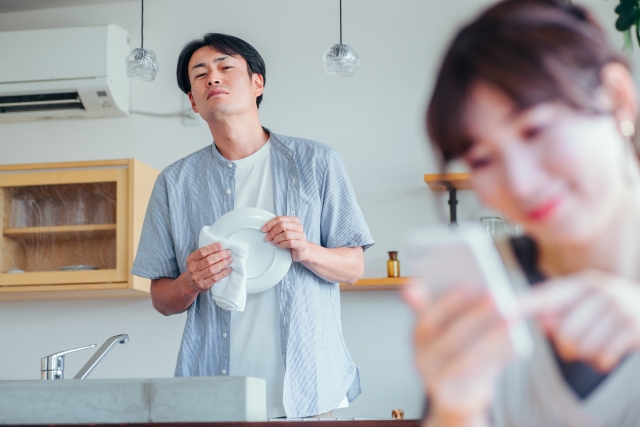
(446, 257)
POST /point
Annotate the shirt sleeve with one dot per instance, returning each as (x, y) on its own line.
(156, 256)
(341, 223)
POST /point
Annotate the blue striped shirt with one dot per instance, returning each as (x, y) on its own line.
(310, 182)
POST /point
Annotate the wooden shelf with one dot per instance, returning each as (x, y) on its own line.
(59, 231)
(376, 284)
(459, 181)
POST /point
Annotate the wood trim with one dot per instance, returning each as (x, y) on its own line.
(123, 229)
(142, 180)
(61, 294)
(64, 287)
(59, 177)
(376, 284)
(460, 181)
(38, 278)
(140, 284)
(64, 165)
(56, 229)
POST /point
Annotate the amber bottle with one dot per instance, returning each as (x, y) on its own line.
(393, 265)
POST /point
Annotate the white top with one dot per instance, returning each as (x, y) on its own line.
(533, 392)
(255, 332)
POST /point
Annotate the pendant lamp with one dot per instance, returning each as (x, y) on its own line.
(141, 63)
(340, 59)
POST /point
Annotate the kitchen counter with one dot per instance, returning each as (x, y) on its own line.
(288, 423)
(133, 401)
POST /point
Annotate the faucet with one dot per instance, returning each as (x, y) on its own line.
(52, 366)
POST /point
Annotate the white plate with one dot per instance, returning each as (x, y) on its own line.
(266, 264)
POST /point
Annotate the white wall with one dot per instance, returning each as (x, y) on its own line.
(374, 119)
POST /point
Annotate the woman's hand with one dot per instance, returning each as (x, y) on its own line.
(461, 347)
(591, 316)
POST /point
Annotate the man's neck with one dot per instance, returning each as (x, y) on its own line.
(237, 137)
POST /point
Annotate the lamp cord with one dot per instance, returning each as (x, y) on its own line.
(142, 26)
(340, 21)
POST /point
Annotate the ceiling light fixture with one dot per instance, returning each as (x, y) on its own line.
(340, 59)
(142, 64)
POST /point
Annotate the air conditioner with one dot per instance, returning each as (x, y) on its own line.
(63, 73)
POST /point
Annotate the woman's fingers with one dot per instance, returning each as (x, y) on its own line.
(615, 349)
(596, 339)
(466, 379)
(415, 294)
(552, 297)
(443, 310)
(572, 327)
(465, 329)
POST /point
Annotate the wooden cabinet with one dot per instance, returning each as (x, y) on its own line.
(70, 230)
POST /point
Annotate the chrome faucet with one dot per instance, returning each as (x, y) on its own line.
(52, 366)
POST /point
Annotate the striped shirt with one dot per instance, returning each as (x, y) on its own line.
(310, 182)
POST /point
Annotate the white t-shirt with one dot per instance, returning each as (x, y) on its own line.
(255, 332)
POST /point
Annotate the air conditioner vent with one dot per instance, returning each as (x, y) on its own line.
(43, 102)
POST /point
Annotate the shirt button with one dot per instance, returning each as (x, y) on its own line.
(294, 180)
(224, 335)
(293, 212)
(230, 165)
(224, 372)
(228, 191)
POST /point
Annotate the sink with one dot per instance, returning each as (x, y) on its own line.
(189, 399)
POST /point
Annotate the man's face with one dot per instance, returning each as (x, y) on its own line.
(221, 85)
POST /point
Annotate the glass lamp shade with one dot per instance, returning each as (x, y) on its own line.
(142, 64)
(341, 60)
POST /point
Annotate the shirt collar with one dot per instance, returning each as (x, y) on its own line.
(275, 142)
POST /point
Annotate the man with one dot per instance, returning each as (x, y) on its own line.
(290, 335)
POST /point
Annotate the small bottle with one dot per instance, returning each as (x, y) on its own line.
(393, 265)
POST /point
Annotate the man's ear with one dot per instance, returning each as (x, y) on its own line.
(193, 104)
(258, 84)
(619, 92)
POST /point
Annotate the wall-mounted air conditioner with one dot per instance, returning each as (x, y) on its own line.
(63, 73)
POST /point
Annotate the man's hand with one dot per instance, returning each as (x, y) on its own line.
(287, 232)
(205, 267)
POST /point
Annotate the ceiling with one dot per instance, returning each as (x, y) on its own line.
(21, 5)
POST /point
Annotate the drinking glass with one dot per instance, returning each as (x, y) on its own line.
(494, 225)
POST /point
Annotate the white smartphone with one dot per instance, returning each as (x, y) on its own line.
(445, 257)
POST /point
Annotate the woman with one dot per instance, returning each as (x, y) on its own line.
(541, 108)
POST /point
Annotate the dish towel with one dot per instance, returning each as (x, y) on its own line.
(230, 293)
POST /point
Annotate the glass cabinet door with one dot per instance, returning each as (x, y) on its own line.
(63, 227)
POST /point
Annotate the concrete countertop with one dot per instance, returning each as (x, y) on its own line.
(133, 401)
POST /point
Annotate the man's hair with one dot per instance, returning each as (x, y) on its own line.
(223, 43)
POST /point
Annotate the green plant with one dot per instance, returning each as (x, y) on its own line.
(628, 20)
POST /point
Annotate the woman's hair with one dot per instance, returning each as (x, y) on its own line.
(533, 51)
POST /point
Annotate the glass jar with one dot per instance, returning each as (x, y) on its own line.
(494, 225)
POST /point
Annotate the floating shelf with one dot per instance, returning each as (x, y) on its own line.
(451, 182)
(58, 231)
(377, 284)
(438, 182)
